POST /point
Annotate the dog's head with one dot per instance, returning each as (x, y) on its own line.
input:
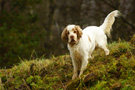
(71, 34)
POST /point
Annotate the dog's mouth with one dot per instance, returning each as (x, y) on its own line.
(73, 41)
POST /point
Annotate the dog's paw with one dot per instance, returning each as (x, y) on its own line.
(91, 57)
(107, 52)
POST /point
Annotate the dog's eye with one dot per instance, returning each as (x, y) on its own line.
(74, 31)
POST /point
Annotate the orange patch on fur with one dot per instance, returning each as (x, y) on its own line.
(89, 38)
(64, 35)
(74, 29)
(79, 31)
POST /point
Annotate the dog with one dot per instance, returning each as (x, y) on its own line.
(81, 43)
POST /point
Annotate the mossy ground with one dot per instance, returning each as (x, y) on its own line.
(113, 72)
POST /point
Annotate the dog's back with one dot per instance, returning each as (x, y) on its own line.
(98, 34)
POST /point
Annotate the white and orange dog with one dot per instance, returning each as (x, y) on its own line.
(81, 43)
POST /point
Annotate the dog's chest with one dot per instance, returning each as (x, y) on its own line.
(77, 55)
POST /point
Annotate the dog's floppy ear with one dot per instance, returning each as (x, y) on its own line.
(79, 31)
(64, 35)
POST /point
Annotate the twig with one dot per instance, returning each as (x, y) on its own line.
(26, 85)
(61, 82)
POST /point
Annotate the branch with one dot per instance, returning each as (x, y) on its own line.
(89, 77)
(128, 23)
(109, 4)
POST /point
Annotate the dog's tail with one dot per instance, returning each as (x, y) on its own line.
(108, 22)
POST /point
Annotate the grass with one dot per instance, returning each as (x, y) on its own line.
(113, 72)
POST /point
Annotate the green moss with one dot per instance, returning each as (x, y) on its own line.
(115, 71)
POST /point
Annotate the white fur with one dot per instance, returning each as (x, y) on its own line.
(92, 37)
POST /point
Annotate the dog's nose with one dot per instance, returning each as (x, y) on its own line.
(72, 37)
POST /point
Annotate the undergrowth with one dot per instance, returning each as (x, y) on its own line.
(113, 72)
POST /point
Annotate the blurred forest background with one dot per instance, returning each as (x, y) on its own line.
(32, 28)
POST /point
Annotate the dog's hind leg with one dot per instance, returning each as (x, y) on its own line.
(106, 50)
(103, 45)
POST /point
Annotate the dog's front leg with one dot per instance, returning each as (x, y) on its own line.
(84, 65)
(75, 74)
